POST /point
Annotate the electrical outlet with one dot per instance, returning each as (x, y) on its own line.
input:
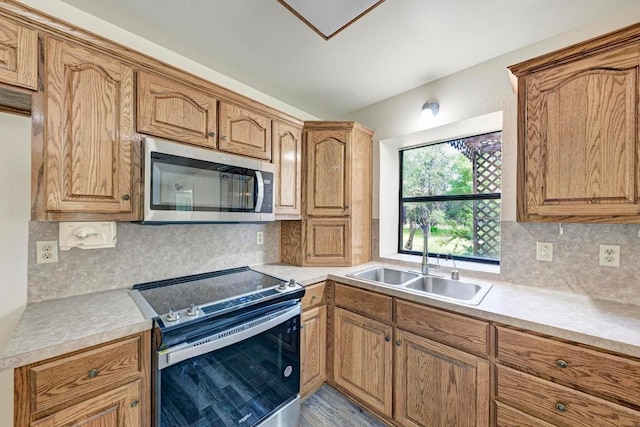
(544, 251)
(259, 237)
(46, 251)
(610, 255)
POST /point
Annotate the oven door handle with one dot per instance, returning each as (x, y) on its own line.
(174, 355)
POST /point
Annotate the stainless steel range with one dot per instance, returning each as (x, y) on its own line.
(226, 349)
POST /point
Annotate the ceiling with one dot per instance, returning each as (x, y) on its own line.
(397, 46)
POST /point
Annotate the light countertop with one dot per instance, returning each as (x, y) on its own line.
(55, 327)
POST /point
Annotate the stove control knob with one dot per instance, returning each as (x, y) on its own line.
(283, 286)
(193, 310)
(173, 315)
(292, 283)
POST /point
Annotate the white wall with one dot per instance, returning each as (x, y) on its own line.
(15, 184)
(482, 89)
(77, 17)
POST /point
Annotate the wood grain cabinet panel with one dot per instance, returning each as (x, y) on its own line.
(313, 347)
(91, 158)
(558, 404)
(176, 111)
(467, 334)
(328, 241)
(579, 139)
(314, 295)
(589, 370)
(18, 54)
(362, 359)
(436, 385)
(370, 304)
(244, 132)
(106, 385)
(507, 416)
(287, 158)
(117, 407)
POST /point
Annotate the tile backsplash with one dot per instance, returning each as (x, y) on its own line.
(144, 253)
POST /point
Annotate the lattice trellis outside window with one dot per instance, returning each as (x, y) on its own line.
(455, 187)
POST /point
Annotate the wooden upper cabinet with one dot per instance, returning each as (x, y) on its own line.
(176, 111)
(18, 54)
(244, 132)
(287, 157)
(579, 141)
(91, 156)
(328, 172)
(328, 241)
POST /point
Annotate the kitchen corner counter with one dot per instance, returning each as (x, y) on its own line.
(605, 324)
(60, 326)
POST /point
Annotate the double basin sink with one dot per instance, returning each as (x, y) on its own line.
(460, 291)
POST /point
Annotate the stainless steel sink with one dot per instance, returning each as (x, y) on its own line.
(453, 290)
(387, 276)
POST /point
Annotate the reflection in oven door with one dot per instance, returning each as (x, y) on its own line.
(240, 384)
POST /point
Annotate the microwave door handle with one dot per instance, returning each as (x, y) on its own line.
(260, 198)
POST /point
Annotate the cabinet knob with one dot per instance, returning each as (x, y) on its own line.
(93, 373)
(561, 407)
(561, 363)
(134, 403)
(313, 297)
(223, 137)
(302, 326)
(126, 197)
(212, 134)
(387, 338)
(398, 343)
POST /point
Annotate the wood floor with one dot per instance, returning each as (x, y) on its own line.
(326, 407)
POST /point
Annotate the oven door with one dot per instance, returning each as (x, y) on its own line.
(245, 376)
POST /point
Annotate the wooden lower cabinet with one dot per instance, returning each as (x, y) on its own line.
(117, 407)
(362, 359)
(102, 386)
(313, 348)
(436, 385)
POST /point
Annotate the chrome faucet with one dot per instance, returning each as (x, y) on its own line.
(455, 275)
(425, 252)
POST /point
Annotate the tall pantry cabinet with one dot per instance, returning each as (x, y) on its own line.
(336, 226)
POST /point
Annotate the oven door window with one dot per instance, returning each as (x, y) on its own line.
(237, 385)
(181, 184)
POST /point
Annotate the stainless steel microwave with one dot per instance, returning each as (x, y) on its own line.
(184, 184)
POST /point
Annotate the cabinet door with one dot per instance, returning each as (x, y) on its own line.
(287, 157)
(581, 129)
(91, 160)
(313, 349)
(244, 132)
(362, 359)
(117, 407)
(18, 54)
(436, 385)
(328, 172)
(175, 111)
(328, 241)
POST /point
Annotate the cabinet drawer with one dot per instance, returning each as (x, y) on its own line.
(466, 334)
(370, 304)
(583, 368)
(559, 404)
(507, 416)
(70, 377)
(314, 295)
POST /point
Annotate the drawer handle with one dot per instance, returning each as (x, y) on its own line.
(561, 407)
(93, 373)
(134, 403)
(561, 363)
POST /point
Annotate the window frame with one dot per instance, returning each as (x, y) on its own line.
(439, 198)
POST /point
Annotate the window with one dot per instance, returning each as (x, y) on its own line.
(455, 187)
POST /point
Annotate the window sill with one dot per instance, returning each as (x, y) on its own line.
(461, 265)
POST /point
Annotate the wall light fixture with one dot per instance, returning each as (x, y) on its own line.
(430, 109)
